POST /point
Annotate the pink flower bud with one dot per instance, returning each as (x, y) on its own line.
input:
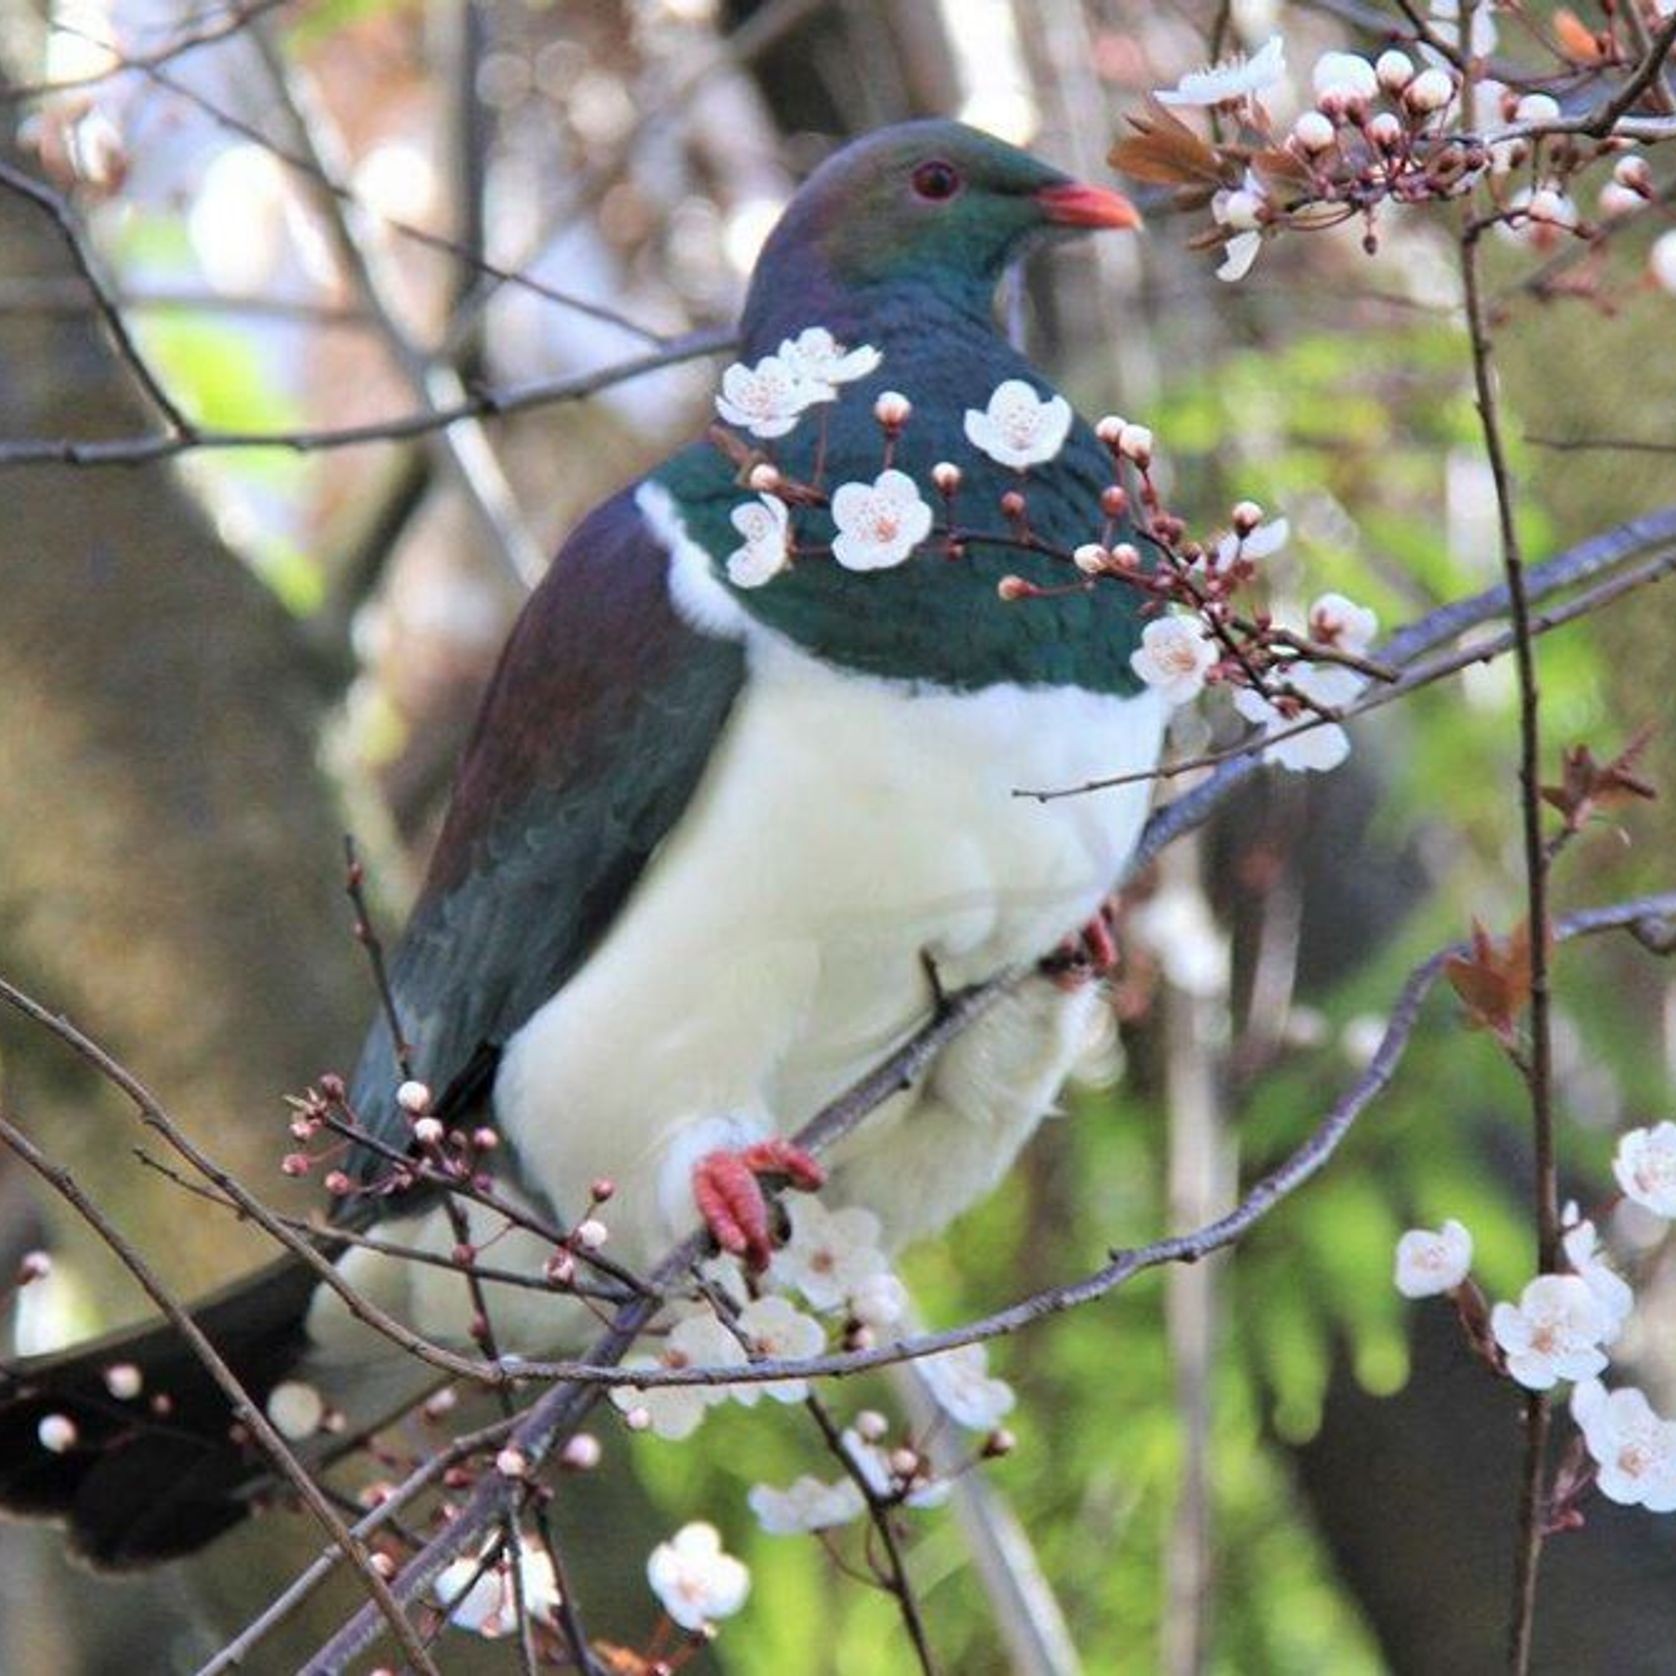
(337, 1183)
(999, 1442)
(603, 1190)
(560, 1269)
(512, 1463)
(1013, 588)
(892, 409)
(871, 1425)
(1114, 500)
(484, 1138)
(1245, 517)
(1430, 91)
(414, 1098)
(591, 1233)
(124, 1381)
(1385, 130)
(764, 477)
(1109, 429)
(904, 1463)
(1126, 556)
(1135, 443)
(1633, 172)
(946, 476)
(57, 1433)
(581, 1454)
(1091, 558)
(1394, 69)
(33, 1265)
(638, 1419)
(1313, 132)
(294, 1164)
(428, 1131)
(1012, 504)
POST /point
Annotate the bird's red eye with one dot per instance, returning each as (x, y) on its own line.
(936, 181)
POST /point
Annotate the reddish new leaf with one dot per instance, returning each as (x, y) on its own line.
(1166, 152)
(1586, 785)
(1494, 981)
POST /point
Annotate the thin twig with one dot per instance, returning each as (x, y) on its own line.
(516, 398)
(896, 1581)
(52, 204)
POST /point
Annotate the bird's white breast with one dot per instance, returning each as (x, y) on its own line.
(772, 951)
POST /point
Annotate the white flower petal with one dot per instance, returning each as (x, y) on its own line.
(808, 1505)
(1232, 78)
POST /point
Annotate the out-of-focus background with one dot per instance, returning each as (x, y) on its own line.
(347, 212)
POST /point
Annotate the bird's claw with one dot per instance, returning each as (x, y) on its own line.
(1091, 953)
(728, 1189)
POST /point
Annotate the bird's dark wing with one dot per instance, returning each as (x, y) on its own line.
(596, 727)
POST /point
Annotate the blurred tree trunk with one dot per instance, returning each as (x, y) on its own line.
(169, 877)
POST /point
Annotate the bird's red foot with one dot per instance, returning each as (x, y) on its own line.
(728, 1190)
(1092, 953)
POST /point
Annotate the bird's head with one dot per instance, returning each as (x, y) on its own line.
(932, 204)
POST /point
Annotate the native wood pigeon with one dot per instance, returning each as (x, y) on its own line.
(745, 772)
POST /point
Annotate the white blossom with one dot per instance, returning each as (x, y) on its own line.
(766, 399)
(766, 526)
(1552, 1333)
(830, 1252)
(1263, 542)
(1233, 78)
(1342, 623)
(879, 1301)
(296, 1409)
(1343, 76)
(961, 1384)
(817, 358)
(481, 1597)
(808, 1505)
(1634, 1451)
(780, 1331)
(1175, 655)
(1238, 255)
(1429, 1264)
(675, 1411)
(879, 523)
(1645, 1165)
(694, 1579)
(1661, 262)
(1445, 22)
(1319, 748)
(1019, 428)
(1611, 1290)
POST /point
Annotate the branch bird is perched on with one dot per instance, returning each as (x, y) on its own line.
(710, 829)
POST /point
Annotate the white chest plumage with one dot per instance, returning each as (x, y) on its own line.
(772, 950)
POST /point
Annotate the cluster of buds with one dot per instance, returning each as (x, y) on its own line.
(1378, 131)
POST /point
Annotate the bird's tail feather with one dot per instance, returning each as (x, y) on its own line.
(146, 1473)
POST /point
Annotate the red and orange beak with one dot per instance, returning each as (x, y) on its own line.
(1077, 205)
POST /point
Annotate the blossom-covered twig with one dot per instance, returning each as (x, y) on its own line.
(577, 1390)
(247, 1412)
